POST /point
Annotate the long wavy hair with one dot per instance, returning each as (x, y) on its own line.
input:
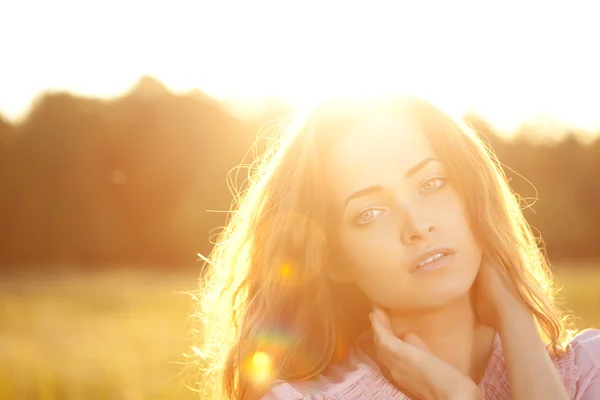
(266, 308)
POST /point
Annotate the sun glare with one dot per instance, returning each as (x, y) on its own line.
(460, 57)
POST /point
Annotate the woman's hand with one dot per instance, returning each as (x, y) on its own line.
(531, 373)
(414, 368)
(496, 298)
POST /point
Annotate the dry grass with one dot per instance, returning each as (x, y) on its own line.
(122, 336)
(111, 336)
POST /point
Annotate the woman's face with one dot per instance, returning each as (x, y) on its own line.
(396, 208)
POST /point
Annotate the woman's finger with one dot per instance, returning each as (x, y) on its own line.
(396, 348)
(381, 348)
(383, 328)
(382, 324)
(383, 317)
(383, 337)
(410, 338)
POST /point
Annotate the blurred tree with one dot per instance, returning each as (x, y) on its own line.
(6, 136)
(6, 132)
(168, 156)
(141, 179)
(44, 205)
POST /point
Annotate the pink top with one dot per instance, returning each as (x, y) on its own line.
(359, 378)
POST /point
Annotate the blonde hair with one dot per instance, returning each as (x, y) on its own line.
(265, 289)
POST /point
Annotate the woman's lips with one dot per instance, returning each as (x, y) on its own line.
(434, 265)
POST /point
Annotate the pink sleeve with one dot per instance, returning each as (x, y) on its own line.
(587, 359)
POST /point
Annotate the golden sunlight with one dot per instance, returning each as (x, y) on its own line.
(462, 56)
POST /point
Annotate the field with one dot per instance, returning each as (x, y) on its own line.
(113, 336)
(122, 336)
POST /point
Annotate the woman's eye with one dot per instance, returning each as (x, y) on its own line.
(367, 216)
(432, 184)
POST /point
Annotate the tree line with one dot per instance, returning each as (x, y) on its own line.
(138, 180)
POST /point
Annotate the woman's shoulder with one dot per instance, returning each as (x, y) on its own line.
(586, 351)
(580, 366)
(358, 377)
(588, 341)
(337, 379)
(583, 351)
(369, 384)
(355, 377)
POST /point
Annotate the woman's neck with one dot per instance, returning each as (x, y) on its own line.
(452, 333)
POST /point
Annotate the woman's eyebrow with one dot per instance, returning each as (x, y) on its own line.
(362, 192)
(420, 165)
(378, 188)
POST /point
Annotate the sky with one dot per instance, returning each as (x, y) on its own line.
(509, 61)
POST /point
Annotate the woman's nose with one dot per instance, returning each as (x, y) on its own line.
(414, 228)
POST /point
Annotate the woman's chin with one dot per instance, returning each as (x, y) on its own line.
(443, 296)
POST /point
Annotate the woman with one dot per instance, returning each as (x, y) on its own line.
(379, 253)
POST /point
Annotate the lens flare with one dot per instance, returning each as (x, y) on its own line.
(286, 270)
(260, 368)
(303, 265)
